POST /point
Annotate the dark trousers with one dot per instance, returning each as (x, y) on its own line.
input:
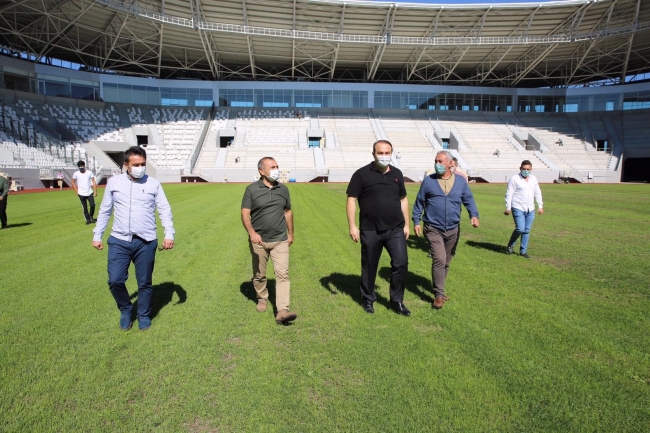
(88, 200)
(372, 244)
(120, 255)
(441, 245)
(3, 211)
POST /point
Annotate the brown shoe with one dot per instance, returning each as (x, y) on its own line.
(439, 302)
(284, 317)
(261, 305)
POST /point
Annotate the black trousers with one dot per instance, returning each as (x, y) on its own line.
(3, 211)
(372, 245)
(85, 200)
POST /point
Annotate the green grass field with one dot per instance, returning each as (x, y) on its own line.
(560, 342)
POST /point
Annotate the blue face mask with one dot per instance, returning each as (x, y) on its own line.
(440, 169)
(82, 169)
(525, 173)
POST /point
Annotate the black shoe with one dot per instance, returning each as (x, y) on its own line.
(93, 220)
(400, 308)
(89, 222)
(367, 307)
(525, 255)
(510, 250)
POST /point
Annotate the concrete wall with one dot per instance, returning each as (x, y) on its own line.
(6, 155)
(29, 178)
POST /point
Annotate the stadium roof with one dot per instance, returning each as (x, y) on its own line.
(501, 44)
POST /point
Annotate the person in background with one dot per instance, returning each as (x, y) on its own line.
(84, 184)
(267, 217)
(59, 180)
(133, 197)
(522, 189)
(4, 193)
(383, 223)
(457, 171)
(440, 197)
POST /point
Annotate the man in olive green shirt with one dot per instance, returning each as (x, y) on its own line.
(267, 217)
(4, 192)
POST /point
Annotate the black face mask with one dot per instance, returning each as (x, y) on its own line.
(82, 169)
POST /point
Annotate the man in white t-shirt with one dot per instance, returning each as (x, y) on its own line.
(522, 193)
(84, 184)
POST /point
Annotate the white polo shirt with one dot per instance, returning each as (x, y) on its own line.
(84, 182)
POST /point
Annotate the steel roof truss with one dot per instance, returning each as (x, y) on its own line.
(629, 46)
(207, 41)
(338, 45)
(378, 51)
(115, 38)
(58, 35)
(433, 26)
(524, 58)
(251, 54)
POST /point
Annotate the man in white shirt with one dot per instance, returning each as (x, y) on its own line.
(523, 190)
(84, 184)
(133, 198)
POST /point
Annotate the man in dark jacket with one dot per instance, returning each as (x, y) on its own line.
(440, 196)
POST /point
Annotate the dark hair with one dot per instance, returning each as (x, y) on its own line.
(525, 162)
(374, 145)
(81, 164)
(134, 150)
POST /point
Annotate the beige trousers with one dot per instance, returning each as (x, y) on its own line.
(279, 253)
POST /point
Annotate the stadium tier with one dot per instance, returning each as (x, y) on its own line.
(316, 143)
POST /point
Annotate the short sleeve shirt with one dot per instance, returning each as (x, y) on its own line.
(379, 196)
(267, 206)
(84, 182)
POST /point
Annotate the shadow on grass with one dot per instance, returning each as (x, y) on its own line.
(418, 243)
(248, 290)
(13, 226)
(414, 283)
(488, 246)
(162, 296)
(337, 283)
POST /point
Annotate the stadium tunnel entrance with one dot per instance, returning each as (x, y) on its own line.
(636, 170)
(117, 157)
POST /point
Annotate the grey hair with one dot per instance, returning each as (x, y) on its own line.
(450, 157)
(260, 164)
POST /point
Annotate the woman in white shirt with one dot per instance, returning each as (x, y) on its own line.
(523, 190)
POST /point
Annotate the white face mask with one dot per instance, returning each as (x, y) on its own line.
(138, 172)
(383, 160)
(274, 174)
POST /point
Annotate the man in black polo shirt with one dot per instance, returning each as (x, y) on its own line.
(267, 217)
(380, 190)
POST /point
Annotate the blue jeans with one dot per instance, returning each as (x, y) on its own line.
(523, 223)
(120, 255)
